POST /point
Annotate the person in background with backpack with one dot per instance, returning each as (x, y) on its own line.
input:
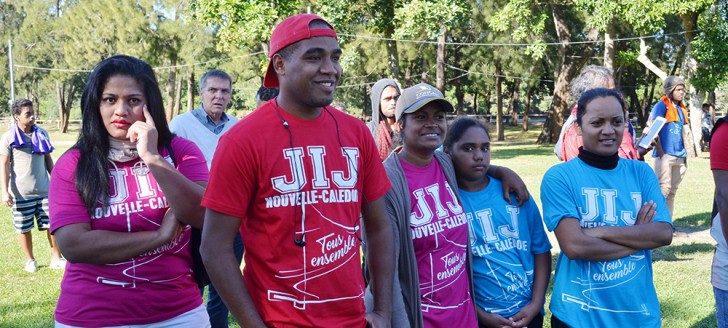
(121, 210)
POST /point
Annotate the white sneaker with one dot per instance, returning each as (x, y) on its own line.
(31, 266)
(58, 264)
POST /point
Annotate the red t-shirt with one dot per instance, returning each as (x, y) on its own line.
(256, 173)
(719, 148)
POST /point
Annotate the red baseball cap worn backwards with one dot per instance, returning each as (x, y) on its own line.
(288, 32)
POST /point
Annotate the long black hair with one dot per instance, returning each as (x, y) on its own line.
(92, 177)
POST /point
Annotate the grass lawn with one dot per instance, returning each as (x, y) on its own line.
(682, 270)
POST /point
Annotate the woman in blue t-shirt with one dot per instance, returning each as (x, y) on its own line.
(510, 249)
(608, 214)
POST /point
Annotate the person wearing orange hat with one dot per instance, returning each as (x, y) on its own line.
(293, 177)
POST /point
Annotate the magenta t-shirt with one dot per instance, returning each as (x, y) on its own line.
(439, 230)
(148, 288)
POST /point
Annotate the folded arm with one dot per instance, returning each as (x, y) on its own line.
(644, 234)
(81, 244)
(577, 245)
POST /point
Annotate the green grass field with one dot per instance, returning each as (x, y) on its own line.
(681, 270)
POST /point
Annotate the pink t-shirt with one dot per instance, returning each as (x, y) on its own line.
(148, 288)
(440, 236)
(314, 179)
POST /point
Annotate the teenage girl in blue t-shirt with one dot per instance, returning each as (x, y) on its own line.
(510, 250)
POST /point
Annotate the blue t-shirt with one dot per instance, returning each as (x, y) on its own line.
(616, 293)
(671, 133)
(504, 239)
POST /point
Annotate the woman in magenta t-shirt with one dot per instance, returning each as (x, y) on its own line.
(432, 282)
(122, 200)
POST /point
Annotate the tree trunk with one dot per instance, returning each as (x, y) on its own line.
(441, 59)
(65, 101)
(527, 110)
(634, 99)
(609, 45)
(191, 90)
(423, 76)
(499, 101)
(488, 103)
(69, 104)
(711, 100)
(642, 58)
(60, 97)
(265, 48)
(569, 68)
(475, 104)
(459, 93)
(515, 102)
(171, 83)
(392, 55)
(689, 66)
(642, 110)
(177, 96)
(34, 99)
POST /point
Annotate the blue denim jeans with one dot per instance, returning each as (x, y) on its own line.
(216, 309)
(721, 307)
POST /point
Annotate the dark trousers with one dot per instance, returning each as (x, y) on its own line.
(537, 321)
(216, 309)
(556, 323)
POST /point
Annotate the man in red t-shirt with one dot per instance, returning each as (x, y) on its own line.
(294, 177)
(719, 226)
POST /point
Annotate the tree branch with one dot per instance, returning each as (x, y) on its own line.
(642, 58)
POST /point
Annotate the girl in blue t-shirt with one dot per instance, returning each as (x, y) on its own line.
(510, 250)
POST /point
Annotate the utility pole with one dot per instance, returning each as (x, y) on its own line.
(10, 67)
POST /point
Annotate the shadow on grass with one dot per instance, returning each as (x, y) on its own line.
(680, 252)
(504, 152)
(695, 221)
(708, 321)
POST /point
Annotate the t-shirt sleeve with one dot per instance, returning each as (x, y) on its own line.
(718, 148)
(374, 178)
(65, 204)
(5, 144)
(539, 240)
(658, 110)
(189, 160)
(557, 198)
(232, 178)
(652, 192)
